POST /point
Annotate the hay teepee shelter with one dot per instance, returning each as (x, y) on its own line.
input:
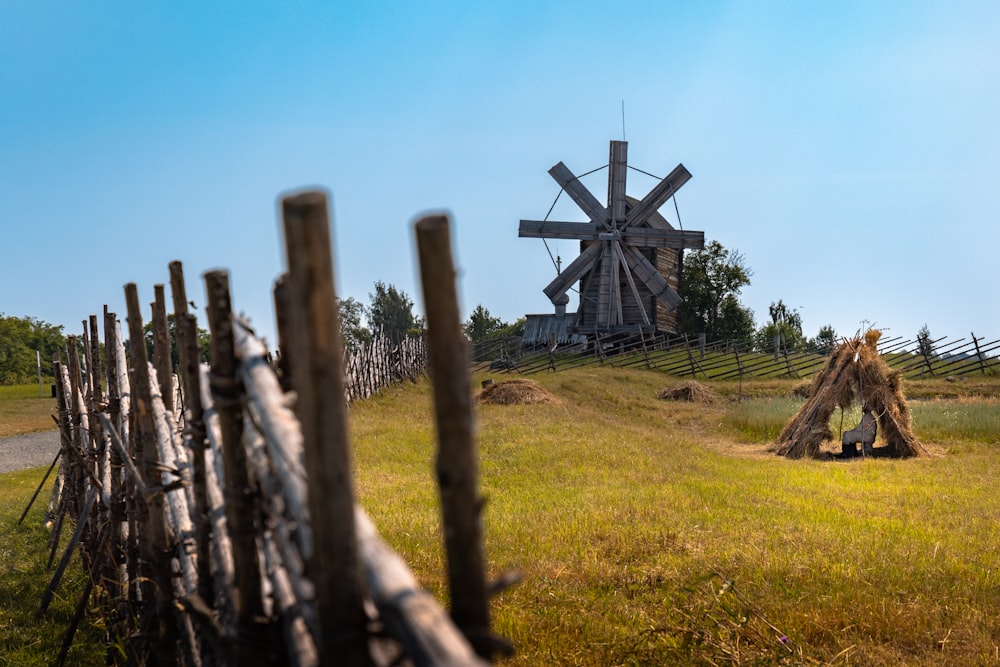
(854, 372)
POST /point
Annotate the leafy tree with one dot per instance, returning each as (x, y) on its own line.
(21, 338)
(482, 325)
(824, 341)
(515, 328)
(786, 323)
(355, 333)
(391, 311)
(713, 278)
(925, 344)
(204, 342)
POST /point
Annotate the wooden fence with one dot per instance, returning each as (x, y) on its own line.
(216, 516)
(735, 359)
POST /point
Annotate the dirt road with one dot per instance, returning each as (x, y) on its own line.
(28, 451)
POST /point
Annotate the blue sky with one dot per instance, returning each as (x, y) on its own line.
(850, 150)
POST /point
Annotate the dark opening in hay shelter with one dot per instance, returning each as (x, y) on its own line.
(854, 372)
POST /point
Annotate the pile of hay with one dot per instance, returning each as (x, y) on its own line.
(692, 391)
(514, 392)
(854, 372)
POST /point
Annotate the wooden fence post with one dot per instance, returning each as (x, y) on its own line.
(238, 494)
(153, 546)
(979, 353)
(161, 348)
(457, 465)
(318, 379)
(186, 328)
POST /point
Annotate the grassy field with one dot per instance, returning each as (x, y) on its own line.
(24, 640)
(651, 532)
(22, 410)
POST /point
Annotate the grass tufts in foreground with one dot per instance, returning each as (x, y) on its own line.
(25, 641)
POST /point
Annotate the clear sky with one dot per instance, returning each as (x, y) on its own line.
(850, 150)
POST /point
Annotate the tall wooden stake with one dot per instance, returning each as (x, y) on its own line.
(186, 327)
(457, 465)
(239, 500)
(154, 546)
(161, 348)
(318, 379)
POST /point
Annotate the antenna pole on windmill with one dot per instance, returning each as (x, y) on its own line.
(558, 265)
(623, 119)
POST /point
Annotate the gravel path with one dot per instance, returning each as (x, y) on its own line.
(28, 451)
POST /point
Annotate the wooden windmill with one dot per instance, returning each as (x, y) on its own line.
(630, 256)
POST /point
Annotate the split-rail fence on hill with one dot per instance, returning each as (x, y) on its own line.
(733, 360)
(216, 516)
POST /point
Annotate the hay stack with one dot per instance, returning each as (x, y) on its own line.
(514, 392)
(692, 391)
(854, 372)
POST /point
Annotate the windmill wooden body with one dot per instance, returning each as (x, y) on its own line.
(630, 256)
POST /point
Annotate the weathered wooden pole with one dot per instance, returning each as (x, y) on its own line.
(153, 546)
(186, 328)
(240, 511)
(281, 319)
(161, 348)
(317, 357)
(457, 464)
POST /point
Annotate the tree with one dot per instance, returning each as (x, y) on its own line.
(713, 278)
(515, 328)
(21, 341)
(482, 325)
(785, 323)
(204, 342)
(825, 340)
(354, 332)
(925, 344)
(390, 311)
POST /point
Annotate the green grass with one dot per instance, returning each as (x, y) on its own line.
(22, 410)
(25, 641)
(659, 533)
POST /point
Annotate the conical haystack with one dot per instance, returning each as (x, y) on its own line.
(854, 372)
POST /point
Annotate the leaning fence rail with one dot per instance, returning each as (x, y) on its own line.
(199, 526)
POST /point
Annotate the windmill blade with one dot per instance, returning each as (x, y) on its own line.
(573, 272)
(617, 171)
(580, 194)
(631, 284)
(651, 278)
(550, 229)
(648, 237)
(660, 193)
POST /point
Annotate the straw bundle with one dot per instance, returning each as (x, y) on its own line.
(514, 392)
(854, 372)
(689, 391)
